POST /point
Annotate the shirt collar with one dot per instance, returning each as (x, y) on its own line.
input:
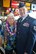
(23, 18)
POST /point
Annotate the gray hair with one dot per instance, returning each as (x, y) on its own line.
(11, 15)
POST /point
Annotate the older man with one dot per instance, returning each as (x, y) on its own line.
(26, 30)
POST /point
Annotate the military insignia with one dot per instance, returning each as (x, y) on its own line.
(35, 28)
(26, 24)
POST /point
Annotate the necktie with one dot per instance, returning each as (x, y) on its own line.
(20, 19)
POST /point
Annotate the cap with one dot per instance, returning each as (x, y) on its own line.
(21, 4)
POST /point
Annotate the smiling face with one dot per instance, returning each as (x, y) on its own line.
(10, 20)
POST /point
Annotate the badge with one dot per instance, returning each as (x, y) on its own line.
(35, 28)
(26, 24)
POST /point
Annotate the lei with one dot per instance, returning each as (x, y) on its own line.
(7, 27)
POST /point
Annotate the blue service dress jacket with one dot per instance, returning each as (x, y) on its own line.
(25, 35)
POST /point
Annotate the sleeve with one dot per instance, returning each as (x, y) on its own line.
(31, 38)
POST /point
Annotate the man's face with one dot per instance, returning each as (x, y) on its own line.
(22, 11)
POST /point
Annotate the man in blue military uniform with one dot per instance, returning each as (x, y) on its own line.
(26, 32)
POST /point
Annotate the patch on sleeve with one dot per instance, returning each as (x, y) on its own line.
(26, 24)
(34, 28)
